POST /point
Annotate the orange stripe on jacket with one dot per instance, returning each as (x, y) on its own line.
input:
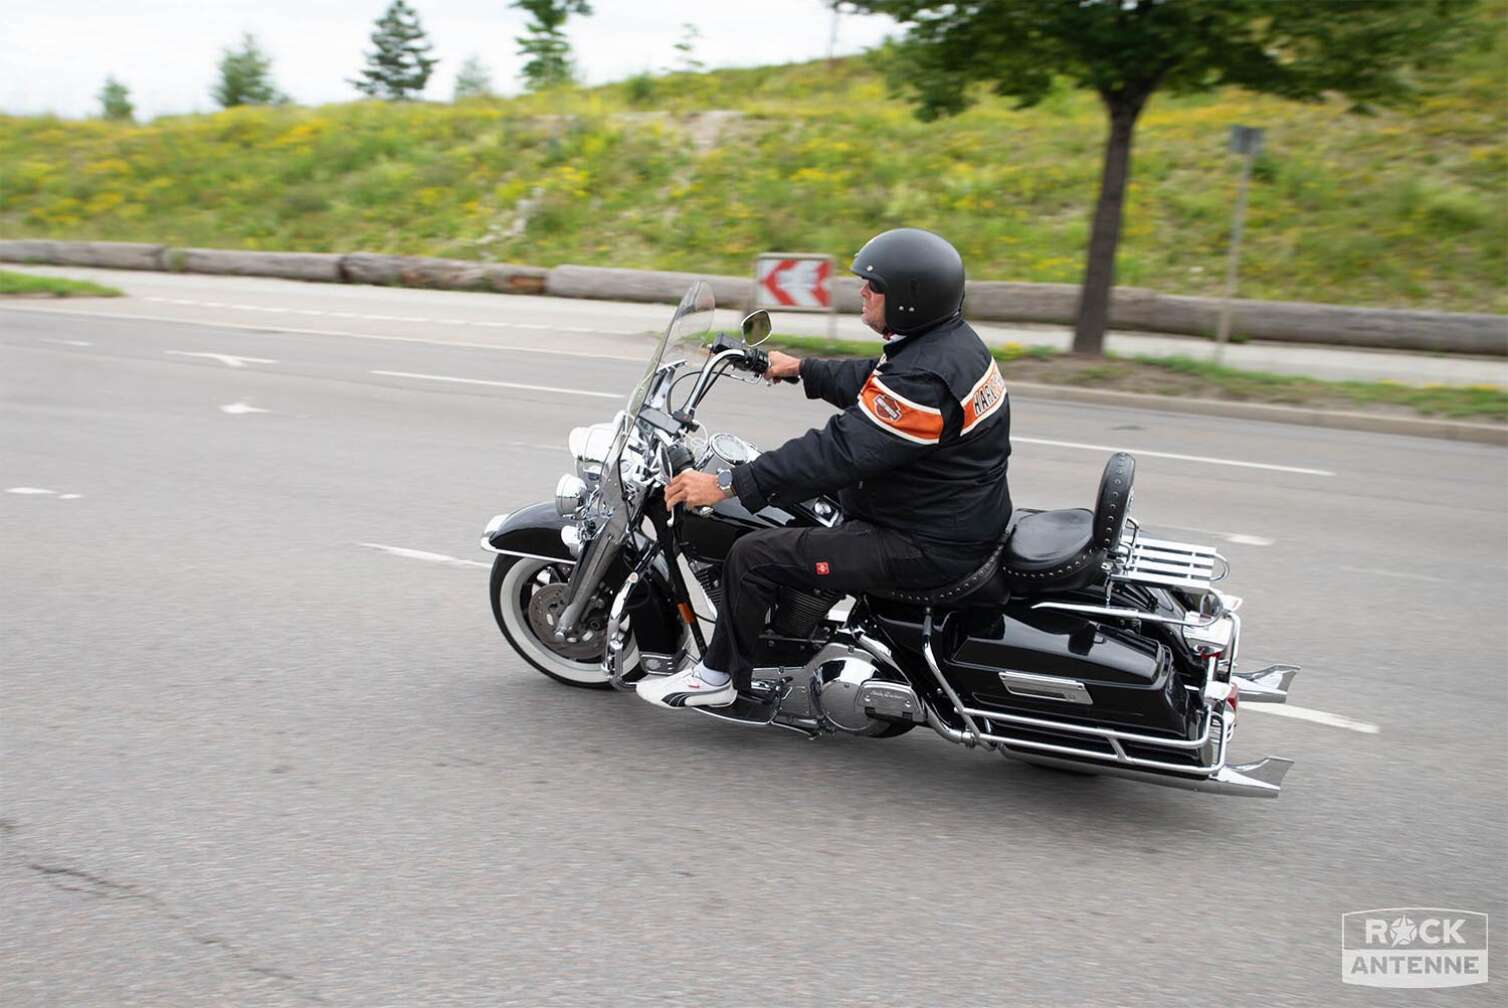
(984, 398)
(899, 415)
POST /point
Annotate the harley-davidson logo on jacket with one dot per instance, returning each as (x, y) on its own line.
(901, 416)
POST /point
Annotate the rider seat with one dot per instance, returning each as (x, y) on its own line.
(1057, 551)
(1043, 551)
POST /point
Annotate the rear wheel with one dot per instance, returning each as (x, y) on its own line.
(528, 595)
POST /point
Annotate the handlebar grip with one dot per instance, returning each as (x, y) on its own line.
(680, 458)
(759, 363)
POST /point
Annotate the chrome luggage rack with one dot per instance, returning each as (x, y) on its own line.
(1165, 563)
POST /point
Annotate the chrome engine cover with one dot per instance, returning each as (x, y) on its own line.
(843, 684)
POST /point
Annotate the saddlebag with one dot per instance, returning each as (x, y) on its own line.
(1062, 667)
(1056, 666)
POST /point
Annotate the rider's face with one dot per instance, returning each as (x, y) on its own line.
(873, 309)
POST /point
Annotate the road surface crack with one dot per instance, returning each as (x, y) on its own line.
(77, 881)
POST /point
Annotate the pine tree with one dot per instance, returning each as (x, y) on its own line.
(473, 80)
(400, 66)
(686, 49)
(115, 101)
(545, 45)
(246, 77)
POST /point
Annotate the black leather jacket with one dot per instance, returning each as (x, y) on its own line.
(922, 444)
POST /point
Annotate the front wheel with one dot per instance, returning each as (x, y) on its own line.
(528, 595)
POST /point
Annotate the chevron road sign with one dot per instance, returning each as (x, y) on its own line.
(793, 282)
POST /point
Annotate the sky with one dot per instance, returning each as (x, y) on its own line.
(54, 56)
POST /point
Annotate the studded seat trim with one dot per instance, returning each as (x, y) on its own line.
(948, 592)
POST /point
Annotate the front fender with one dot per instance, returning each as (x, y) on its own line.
(533, 531)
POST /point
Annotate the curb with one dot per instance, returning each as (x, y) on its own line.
(1450, 430)
(1131, 308)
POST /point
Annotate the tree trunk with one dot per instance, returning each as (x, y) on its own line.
(1099, 270)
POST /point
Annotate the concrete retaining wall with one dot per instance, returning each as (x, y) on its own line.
(317, 266)
(1132, 308)
(642, 285)
(104, 255)
(442, 274)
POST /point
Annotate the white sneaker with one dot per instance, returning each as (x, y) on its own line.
(686, 689)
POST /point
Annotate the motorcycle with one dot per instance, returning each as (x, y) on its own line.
(1080, 644)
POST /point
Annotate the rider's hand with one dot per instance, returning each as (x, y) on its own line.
(782, 365)
(693, 489)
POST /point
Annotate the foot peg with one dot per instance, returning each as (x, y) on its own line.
(1268, 685)
(759, 703)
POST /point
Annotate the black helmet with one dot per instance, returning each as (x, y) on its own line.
(920, 274)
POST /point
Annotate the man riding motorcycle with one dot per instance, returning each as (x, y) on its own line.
(918, 458)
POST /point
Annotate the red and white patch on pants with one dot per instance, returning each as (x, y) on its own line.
(822, 567)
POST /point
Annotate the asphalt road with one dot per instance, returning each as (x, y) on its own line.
(249, 760)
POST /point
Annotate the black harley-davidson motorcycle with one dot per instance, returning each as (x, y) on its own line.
(1079, 644)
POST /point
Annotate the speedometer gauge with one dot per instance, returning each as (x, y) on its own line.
(733, 450)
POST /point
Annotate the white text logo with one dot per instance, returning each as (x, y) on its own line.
(1413, 947)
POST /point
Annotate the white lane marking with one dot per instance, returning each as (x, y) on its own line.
(1396, 574)
(42, 492)
(498, 384)
(1238, 538)
(237, 408)
(69, 342)
(230, 360)
(1316, 716)
(530, 444)
(1170, 455)
(264, 329)
(413, 554)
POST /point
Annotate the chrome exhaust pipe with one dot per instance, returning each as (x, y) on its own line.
(1262, 779)
(1268, 685)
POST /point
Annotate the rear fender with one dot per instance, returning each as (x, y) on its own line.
(534, 532)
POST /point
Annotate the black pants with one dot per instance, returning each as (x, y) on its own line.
(850, 559)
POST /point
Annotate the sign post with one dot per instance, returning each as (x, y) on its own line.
(1246, 141)
(796, 282)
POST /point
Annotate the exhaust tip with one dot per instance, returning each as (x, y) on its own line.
(1268, 685)
(1262, 779)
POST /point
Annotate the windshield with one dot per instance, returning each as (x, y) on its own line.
(692, 322)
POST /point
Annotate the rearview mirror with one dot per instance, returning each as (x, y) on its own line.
(756, 327)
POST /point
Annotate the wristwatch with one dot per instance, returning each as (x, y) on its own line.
(725, 480)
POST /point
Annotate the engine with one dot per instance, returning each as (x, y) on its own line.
(851, 692)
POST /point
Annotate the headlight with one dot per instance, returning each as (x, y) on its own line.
(570, 495)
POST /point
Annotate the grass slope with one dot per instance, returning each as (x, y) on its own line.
(25, 283)
(1404, 208)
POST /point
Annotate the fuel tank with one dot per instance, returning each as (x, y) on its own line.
(709, 537)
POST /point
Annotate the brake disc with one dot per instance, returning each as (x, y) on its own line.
(583, 643)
